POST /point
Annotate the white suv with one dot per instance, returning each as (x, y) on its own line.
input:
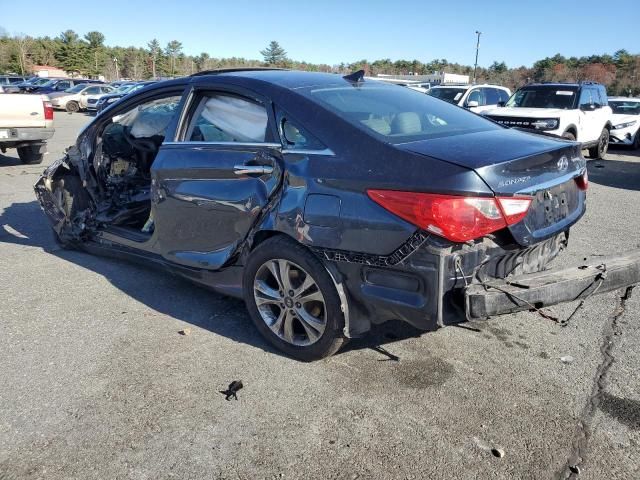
(575, 111)
(477, 98)
(626, 121)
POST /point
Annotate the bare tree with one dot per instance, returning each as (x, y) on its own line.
(23, 46)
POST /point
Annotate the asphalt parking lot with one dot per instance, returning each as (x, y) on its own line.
(96, 381)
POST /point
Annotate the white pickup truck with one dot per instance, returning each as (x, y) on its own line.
(26, 123)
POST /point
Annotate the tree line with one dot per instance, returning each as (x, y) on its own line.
(88, 55)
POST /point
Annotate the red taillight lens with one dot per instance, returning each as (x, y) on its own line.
(456, 218)
(48, 110)
(583, 181)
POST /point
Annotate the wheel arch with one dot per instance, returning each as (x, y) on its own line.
(573, 130)
(338, 281)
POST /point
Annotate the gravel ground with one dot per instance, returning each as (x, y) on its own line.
(97, 383)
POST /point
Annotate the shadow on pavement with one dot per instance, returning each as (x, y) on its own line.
(616, 173)
(6, 161)
(25, 224)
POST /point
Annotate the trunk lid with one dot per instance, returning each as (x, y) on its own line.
(511, 162)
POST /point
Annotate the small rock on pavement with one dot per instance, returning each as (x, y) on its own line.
(497, 452)
(185, 331)
(575, 469)
(566, 359)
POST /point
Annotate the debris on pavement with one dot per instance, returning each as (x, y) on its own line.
(185, 331)
(386, 353)
(497, 452)
(566, 359)
(233, 389)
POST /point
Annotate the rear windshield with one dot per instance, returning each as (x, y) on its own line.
(396, 114)
(451, 95)
(548, 96)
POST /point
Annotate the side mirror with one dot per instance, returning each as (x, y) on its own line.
(472, 103)
(587, 107)
(84, 93)
(501, 103)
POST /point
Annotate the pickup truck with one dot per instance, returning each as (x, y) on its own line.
(26, 123)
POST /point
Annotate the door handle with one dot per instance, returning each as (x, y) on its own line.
(252, 169)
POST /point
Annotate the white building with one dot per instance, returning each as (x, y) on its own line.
(436, 78)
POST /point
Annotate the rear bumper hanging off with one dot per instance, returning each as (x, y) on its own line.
(542, 289)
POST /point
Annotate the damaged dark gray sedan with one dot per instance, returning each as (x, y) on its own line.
(327, 203)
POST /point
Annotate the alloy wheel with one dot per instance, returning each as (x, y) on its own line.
(290, 302)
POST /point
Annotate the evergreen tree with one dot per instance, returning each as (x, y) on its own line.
(172, 50)
(73, 52)
(274, 54)
(154, 52)
(96, 44)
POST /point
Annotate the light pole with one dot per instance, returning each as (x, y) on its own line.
(115, 62)
(475, 68)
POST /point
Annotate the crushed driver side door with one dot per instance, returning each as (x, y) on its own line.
(210, 186)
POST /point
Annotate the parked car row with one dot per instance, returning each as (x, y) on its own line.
(71, 94)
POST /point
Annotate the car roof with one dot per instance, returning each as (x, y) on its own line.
(490, 85)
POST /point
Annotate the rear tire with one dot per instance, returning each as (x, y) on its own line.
(636, 141)
(73, 200)
(600, 150)
(72, 107)
(31, 154)
(294, 290)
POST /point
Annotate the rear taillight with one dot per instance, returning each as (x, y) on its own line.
(48, 110)
(583, 181)
(456, 218)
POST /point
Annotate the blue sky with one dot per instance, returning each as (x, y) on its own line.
(332, 31)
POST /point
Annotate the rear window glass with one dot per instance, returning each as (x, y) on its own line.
(398, 115)
(451, 95)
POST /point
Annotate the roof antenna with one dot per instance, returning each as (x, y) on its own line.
(355, 77)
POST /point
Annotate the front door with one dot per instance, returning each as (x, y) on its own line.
(590, 113)
(210, 187)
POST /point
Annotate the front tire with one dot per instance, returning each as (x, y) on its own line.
(600, 150)
(292, 300)
(636, 141)
(31, 154)
(569, 136)
(73, 199)
(72, 107)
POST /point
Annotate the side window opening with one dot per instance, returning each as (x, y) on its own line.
(125, 150)
(228, 118)
(295, 136)
(585, 97)
(491, 96)
(476, 96)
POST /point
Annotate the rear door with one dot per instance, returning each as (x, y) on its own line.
(210, 186)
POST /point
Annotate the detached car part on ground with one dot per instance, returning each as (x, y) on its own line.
(329, 204)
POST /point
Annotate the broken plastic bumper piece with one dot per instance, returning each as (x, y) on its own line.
(537, 290)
